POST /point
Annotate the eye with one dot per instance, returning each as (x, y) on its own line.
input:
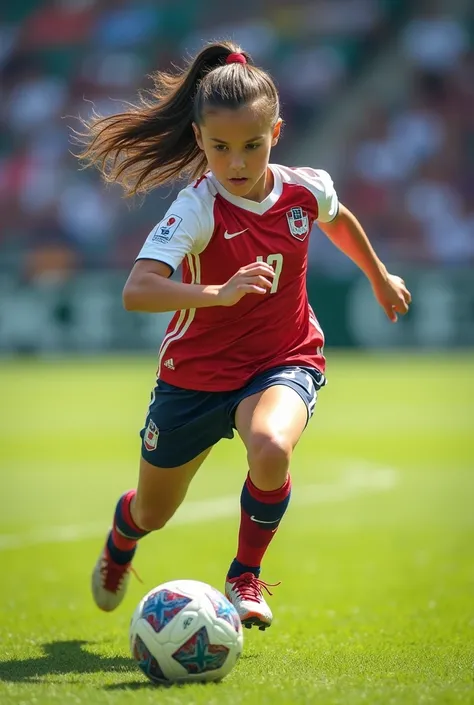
(252, 146)
(220, 147)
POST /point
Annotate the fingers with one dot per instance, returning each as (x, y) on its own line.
(256, 277)
(258, 268)
(404, 301)
(394, 298)
(404, 291)
(402, 306)
(253, 278)
(251, 289)
(390, 313)
(262, 283)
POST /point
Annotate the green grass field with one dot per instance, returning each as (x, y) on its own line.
(375, 554)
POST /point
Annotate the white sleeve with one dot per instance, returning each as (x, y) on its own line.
(185, 229)
(321, 186)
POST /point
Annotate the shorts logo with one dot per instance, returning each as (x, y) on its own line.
(298, 223)
(165, 230)
(150, 439)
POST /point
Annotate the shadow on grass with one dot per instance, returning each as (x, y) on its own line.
(61, 657)
(139, 685)
(146, 684)
(136, 685)
(69, 657)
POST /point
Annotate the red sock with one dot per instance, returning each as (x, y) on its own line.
(261, 513)
(125, 533)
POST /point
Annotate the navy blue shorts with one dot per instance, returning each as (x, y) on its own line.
(182, 423)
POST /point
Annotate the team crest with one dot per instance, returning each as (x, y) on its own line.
(298, 223)
(150, 439)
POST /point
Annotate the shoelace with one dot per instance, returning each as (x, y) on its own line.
(250, 587)
(113, 574)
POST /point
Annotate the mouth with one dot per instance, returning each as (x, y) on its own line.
(238, 181)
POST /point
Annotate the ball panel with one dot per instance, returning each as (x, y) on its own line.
(199, 655)
(162, 606)
(147, 662)
(160, 646)
(224, 609)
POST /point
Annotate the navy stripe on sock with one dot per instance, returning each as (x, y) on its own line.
(237, 568)
(117, 555)
(268, 514)
(130, 532)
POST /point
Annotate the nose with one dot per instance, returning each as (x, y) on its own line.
(237, 162)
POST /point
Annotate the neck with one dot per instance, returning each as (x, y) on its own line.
(262, 188)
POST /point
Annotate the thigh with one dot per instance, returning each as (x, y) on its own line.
(277, 412)
(161, 490)
(181, 424)
(278, 402)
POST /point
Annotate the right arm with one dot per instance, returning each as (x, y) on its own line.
(149, 289)
(187, 227)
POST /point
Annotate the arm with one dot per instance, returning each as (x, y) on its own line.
(149, 289)
(347, 234)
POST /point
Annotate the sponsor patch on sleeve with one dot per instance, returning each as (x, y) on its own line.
(165, 230)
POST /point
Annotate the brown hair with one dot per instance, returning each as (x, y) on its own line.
(153, 142)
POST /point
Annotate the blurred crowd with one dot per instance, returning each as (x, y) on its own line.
(408, 170)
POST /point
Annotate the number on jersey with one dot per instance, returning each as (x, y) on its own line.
(275, 261)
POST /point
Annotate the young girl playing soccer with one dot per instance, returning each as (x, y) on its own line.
(244, 349)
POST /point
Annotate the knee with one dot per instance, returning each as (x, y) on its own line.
(269, 460)
(149, 520)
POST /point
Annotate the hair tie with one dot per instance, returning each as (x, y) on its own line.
(236, 58)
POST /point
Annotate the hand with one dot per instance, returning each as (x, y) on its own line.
(255, 278)
(392, 295)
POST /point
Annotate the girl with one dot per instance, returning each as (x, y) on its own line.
(244, 349)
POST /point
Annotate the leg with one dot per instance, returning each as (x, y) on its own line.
(160, 492)
(180, 429)
(270, 424)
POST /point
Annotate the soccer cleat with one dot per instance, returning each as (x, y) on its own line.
(245, 593)
(109, 582)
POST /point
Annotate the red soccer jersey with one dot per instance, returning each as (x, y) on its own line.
(213, 233)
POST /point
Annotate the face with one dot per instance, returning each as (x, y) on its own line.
(237, 146)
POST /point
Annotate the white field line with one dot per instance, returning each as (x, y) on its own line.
(359, 480)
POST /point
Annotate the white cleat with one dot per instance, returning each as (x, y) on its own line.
(109, 582)
(245, 593)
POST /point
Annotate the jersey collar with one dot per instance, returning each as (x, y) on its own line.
(254, 206)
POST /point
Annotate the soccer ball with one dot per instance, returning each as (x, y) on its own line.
(185, 631)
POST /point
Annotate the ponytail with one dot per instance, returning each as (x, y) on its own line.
(153, 142)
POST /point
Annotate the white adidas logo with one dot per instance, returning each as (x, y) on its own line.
(169, 364)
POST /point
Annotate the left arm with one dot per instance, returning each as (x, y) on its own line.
(348, 235)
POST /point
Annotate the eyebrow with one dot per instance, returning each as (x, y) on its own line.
(253, 139)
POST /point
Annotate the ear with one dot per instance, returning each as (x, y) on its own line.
(276, 132)
(198, 136)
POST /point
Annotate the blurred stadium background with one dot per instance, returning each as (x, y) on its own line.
(379, 92)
